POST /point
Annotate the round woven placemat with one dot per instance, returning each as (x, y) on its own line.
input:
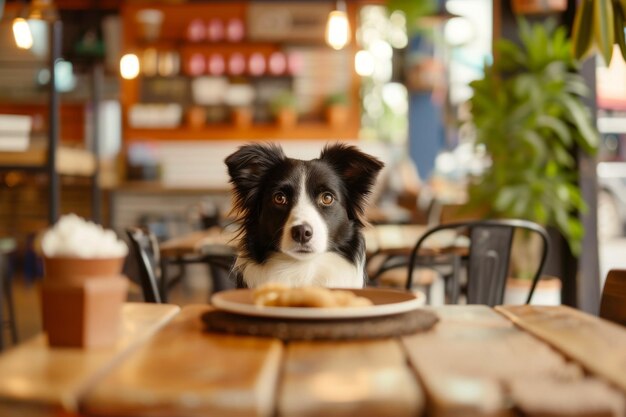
(293, 329)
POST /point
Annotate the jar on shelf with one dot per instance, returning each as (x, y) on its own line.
(216, 65)
(215, 30)
(277, 63)
(235, 30)
(196, 65)
(236, 64)
(196, 31)
(256, 64)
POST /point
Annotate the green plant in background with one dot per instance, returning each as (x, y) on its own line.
(413, 10)
(336, 99)
(528, 114)
(599, 24)
(283, 100)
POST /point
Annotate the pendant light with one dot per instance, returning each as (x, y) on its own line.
(338, 27)
(38, 10)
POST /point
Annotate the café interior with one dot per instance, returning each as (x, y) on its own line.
(490, 239)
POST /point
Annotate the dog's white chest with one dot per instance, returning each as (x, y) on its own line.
(328, 270)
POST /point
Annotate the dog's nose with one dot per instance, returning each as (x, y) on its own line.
(302, 233)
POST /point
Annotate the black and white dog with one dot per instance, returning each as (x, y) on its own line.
(301, 220)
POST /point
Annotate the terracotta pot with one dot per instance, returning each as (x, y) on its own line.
(337, 115)
(81, 301)
(196, 117)
(241, 116)
(287, 118)
(538, 6)
(68, 269)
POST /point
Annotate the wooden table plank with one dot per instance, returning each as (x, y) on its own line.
(185, 371)
(46, 380)
(360, 378)
(598, 345)
(467, 361)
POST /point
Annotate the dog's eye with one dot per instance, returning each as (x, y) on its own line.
(280, 199)
(327, 199)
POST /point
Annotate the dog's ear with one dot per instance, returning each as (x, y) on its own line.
(357, 169)
(247, 168)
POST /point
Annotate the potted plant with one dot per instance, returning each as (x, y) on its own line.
(242, 116)
(529, 117)
(284, 107)
(336, 109)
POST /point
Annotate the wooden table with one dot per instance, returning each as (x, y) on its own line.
(477, 361)
(391, 239)
(198, 243)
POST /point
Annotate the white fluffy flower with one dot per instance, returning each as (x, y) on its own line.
(73, 236)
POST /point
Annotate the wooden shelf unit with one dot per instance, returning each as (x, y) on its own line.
(173, 37)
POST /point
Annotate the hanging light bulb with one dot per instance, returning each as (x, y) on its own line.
(37, 10)
(22, 34)
(338, 27)
(129, 66)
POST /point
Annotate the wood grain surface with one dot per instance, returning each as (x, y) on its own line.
(46, 380)
(357, 378)
(598, 345)
(473, 355)
(185, 371)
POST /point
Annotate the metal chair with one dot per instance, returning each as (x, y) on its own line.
(155, 284)
(145, 247)
(613, 301)
(7, 245)
(487, 258)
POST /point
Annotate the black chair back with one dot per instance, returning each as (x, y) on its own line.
(145, 247)
(488, 257)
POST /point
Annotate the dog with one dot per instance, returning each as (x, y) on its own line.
(301, 221)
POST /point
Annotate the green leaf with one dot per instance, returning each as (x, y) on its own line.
(582, 33)
(620, 39)
(623, 4)
(557, 126)
(580, 118)
(509, 51)
(541, 215)
(563, 157)
(536, 143)
(575, 84)
(604, 28)
(505, 198)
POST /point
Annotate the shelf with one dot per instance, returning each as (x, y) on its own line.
(206, 46)
(70, 161)
(306, 32)
(158, 187)
(255, 132)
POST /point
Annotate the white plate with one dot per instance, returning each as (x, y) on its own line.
(385, 301)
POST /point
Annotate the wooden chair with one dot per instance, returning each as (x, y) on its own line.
(487, 260)
(613, 301)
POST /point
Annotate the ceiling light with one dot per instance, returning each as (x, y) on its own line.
(338, 27)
